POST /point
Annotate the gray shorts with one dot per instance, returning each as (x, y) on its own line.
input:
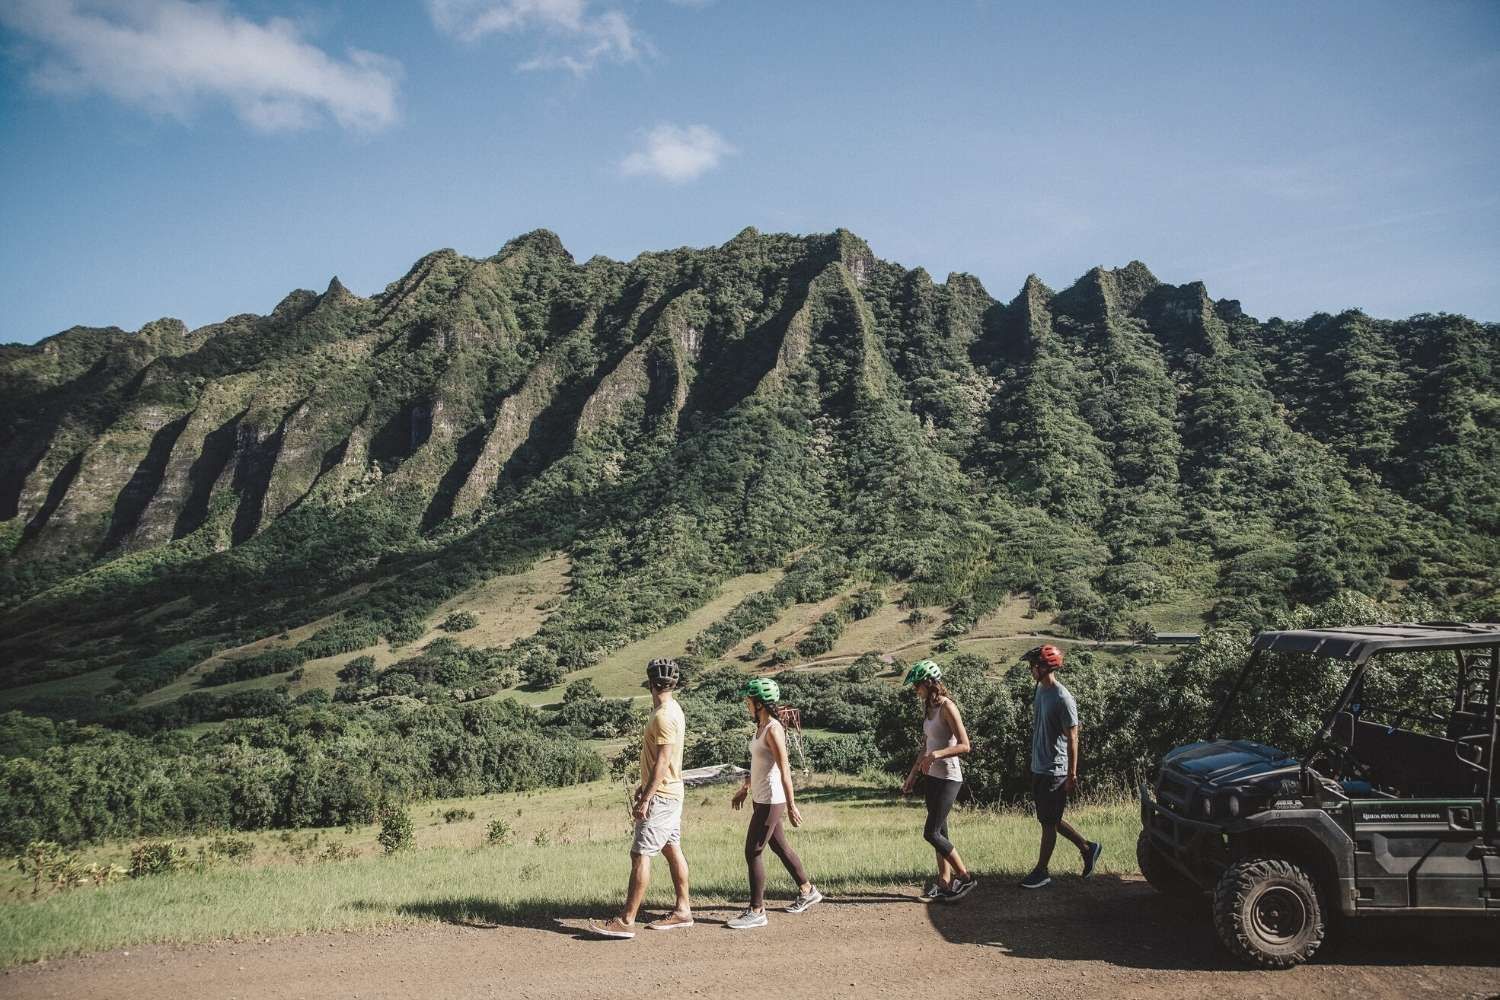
(662, 826)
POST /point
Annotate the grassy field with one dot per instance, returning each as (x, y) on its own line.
(567, 858)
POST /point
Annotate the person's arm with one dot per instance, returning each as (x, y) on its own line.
(658, 772)
(739, 797)
(1072, 785)
(911, 777)
(778, 747)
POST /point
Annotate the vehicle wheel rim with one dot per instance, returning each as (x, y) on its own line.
(1279, 915)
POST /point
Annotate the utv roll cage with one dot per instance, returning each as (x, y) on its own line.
(1471, 728)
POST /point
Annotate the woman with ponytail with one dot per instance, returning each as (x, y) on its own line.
(942, 775)
(770, 788)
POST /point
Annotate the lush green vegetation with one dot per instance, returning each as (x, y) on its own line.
(310, 765)
(346, 468)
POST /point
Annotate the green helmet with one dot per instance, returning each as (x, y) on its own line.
(763, 688)
(923, 670)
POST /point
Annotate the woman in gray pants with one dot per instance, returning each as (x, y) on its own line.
(945, 740)
(769, 787)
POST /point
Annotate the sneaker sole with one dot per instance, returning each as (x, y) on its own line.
(668, 927)
(613, 935)
(803, 909)
(1036, 885)
(954, 897)
(1093, 863)
(744, 927)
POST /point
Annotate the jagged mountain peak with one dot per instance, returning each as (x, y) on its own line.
(542, 242)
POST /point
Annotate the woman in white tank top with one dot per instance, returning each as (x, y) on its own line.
(944, 740)
(769, 788)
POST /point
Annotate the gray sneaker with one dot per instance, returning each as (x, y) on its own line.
(932, 891)
(805, 901)
(747, 920)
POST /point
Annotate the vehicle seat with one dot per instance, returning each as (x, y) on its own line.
(1410, 763)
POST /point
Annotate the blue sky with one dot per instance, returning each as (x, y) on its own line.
(168, 157)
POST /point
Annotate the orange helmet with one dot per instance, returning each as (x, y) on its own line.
(1048, 656)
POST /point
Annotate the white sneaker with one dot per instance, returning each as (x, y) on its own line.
(805, 901)
(748, 920)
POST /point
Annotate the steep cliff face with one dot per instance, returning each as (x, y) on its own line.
(780, 390)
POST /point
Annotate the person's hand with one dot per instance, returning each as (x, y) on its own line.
(794, 814)
(924, 762)
(911, 783)
(739, 797)
(1071, 785)
(641, 803)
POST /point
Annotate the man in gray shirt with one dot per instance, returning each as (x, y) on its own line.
(1054, 764)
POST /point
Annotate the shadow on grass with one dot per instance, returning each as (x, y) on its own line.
(860, 794)
(1126, 923)
(570, 917)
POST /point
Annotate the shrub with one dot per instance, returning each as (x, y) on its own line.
(158, 857)
(395, 829)
(756, 651)
(866, 668)
(336, 851)
(358, 672)
(457, 815)
(45, 862)
(498, 833)
(232, 848)
(864, 604)
(407, 629)
(460, 621)
(843, 753)
(276, 661)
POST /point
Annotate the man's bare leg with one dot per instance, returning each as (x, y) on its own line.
(640, 878)
(678, 866)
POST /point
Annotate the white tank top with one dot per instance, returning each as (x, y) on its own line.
(765, 775)
(939, 735)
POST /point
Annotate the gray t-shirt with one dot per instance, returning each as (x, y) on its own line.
(1055, 712)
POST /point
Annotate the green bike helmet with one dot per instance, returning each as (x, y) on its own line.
(767, 690)
(922, 670)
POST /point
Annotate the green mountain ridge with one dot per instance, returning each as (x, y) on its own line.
(693, 414)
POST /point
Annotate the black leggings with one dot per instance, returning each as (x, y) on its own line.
(941, 794)
(765, 828)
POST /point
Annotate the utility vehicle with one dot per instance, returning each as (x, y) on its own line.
(1389, 810)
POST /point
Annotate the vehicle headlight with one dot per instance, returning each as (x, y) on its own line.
(1208, 805)
(1232, 804)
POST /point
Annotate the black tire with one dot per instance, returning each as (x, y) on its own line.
(1268, 912)
(1164, 878)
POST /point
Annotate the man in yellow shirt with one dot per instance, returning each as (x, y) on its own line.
(657, 808)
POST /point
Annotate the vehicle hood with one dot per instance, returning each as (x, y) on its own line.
(1227, 762)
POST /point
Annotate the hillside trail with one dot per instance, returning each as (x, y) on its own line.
(1109, 937)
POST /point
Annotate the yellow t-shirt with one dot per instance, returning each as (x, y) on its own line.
(664, 734)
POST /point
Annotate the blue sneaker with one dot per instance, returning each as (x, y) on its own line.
(1091, 857)
(1037, 879)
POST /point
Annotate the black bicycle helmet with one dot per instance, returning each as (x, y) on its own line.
(663, 672)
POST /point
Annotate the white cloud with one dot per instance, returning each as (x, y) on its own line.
(677, 154)
(167, 56)
(585, 36)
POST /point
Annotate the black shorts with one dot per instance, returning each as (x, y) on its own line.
(1051, 794)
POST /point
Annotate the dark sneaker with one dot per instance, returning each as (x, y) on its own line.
(1091, 857)
(1037, 879)
(959, 888)
(934, 890)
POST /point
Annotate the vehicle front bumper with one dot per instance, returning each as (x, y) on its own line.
(1196, 848)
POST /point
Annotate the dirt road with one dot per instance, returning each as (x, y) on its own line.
(1106, 938)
